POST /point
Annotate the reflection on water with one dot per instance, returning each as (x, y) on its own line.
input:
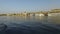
(30, 25)
(54, 19)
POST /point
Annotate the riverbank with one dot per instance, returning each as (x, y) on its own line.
(53, 12)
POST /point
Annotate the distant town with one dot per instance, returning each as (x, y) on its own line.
(53, 12)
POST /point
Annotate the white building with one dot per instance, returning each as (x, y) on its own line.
(49, 14)
(53, 14)
(31, 14)
(39, 14)
(36, 14)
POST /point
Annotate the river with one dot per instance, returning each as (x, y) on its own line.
(31, 25)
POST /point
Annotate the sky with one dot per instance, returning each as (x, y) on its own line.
(16, 6)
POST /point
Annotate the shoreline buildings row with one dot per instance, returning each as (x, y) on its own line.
(26, 14)
(54, 12)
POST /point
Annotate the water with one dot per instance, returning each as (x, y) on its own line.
(30, 25)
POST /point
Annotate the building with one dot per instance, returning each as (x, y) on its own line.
(53, 14)
(41, 14)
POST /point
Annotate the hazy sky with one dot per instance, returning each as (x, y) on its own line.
(10, 6)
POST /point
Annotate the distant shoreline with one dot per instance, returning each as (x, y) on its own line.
(47, 13)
